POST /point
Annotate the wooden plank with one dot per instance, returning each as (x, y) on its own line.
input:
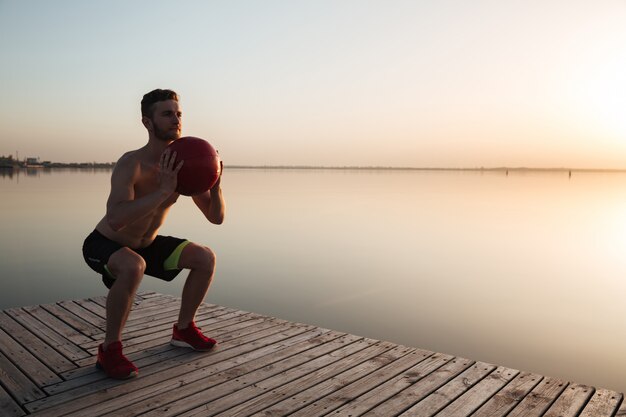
(16, 383)
(90, 374)
(221, 379)
(101, 300)
(571, 401)
(377, 396)
(87, 395)
(476, 396)
(148, 308)
(154, 326)
(94, 308)
(183, 358)
(274, 377)
(83, 313)
(154, 356)
(138, 344)
(52, 338)
(162, 300)
(324, 361)
(448, 393)
(417, 391)
(357, 388)
(203, 319)
(168, 314)
(603, 403)
(34, 345)
(145, 348)
(57, 325)
(147, 294)
(171, 317)
(164, 371)
(540, 398)
(306, 383)
(137, 301)
(137, 314)
(8, 406)
(72, 320)
(24, 360)
(507, 398)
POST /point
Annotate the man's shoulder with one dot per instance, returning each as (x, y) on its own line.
(129, 157)
(129, 162)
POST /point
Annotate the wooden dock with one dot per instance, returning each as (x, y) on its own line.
(263, 366)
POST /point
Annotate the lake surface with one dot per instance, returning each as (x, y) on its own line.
(525, 270)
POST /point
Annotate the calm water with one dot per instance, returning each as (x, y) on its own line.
(526, 270)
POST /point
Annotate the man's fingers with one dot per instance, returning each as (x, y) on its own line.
(172, 160)
(178, 167)
(164, 156)
(168, 161)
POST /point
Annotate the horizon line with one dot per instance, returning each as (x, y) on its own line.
(410, 168)
(367, 167)
(360, 167)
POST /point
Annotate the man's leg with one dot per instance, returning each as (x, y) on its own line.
(128, 268)
(201, 262)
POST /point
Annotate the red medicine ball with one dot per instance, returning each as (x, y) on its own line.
(201, 168)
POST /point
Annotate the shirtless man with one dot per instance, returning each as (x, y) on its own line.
(125, 244)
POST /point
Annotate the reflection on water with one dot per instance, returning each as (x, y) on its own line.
(524, 270)
(16, 172)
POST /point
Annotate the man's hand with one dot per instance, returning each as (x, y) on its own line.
(168, 174)
(216, 186)
(212, 203)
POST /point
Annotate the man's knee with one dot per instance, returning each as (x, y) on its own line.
(197, 257)
(126, 264)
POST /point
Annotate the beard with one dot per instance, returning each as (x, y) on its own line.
(165, 135)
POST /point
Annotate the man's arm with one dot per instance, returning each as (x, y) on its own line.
(211, 202)
(122, 207)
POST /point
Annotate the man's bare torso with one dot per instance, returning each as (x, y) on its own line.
(142, 172)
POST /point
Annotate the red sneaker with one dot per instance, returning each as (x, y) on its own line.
(191, 337)
(113, 362)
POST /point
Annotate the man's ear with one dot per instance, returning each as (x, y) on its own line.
(146, 122)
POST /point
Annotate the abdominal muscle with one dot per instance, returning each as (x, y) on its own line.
(136, 235)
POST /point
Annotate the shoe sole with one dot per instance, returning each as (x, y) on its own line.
(130, 375)
(180, 343)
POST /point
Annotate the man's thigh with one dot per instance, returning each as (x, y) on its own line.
(195, 256)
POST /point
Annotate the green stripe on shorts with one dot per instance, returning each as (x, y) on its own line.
(172, 261)
(106, 269)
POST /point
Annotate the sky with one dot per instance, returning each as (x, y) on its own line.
(447, 83)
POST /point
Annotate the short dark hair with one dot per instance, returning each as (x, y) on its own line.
(154, 96)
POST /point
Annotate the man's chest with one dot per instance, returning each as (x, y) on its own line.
(149, 183)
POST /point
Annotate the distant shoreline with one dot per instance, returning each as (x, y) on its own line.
(48, 165)
(110, 165)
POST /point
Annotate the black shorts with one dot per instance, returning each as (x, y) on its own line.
(161, 256)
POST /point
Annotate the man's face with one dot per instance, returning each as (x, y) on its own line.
(166, 120)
